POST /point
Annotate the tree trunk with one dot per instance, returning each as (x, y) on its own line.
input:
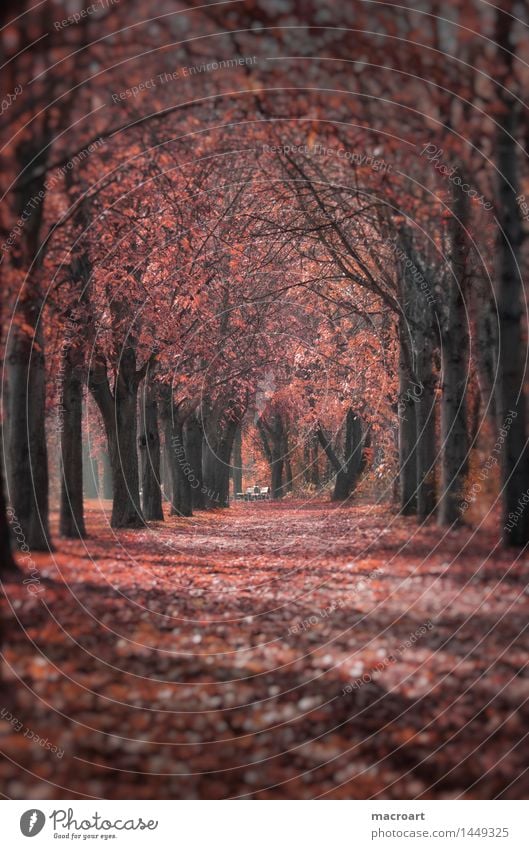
(407, 435)
(277, 477)
(273, 439)
(166, 469)
(219, 433)
(347, 471)
(71, 522)
(416, 405)
(289, 482)
(347, 477)
(122, 445)
(193, 437)
(486, 344)
(180, 470)
(119, 412)
(28, 482)
(8, 567)
(182, 502)
(455, 370)
(426, 428)
(512, 344)
(315, 465)
(237, 461)
(306, 461)
(27, 447)
(149, 445)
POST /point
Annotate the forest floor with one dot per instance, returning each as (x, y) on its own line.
(270, 651)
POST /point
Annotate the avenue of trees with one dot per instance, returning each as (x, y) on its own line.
(304, 264)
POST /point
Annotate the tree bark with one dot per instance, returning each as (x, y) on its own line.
(182, 501)
(149, 445)
(119, 412)
(272, 435)
(219, 433)
(512, 345)
(417, 382)
(289, 480)
(26, 427)
(8, 567)
(277, 477)
(166, 467)
(27, 446)
(455, 370)
(306, 461)
(426, 427)
(71, 521)
(180, 471)
(347, 471)
(315, 465)
(193, 437)
(407, 431)
(237, 461)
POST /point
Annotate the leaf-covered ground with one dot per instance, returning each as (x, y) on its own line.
(270, 651)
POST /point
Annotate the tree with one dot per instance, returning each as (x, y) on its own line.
(149, 446)
(349, 468)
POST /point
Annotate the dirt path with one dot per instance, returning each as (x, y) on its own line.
(269, 651)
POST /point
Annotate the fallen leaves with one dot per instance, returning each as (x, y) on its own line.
(209, 658)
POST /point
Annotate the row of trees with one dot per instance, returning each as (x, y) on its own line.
(307, 234)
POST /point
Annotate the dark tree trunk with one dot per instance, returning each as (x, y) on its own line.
(306, 461)
(426, 428)
(416, 404)
(211, 474)
(182, 502)
(342, 489)
(347, 477)
(180, 471)
(122, 444)
(237, 461)
(8, 568)
(289, 482)
(455, 370)
(315, 465)
(347, 471)
(28, 486)
(71, 521)
(486, 345)
(513, 346)
(193, 437)
(166, 468)
(407, 434)
(219, 436)
(149, 445)
(277, 477)
(26, 431)
(272, 434)
(289, 478)
(119, 412)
